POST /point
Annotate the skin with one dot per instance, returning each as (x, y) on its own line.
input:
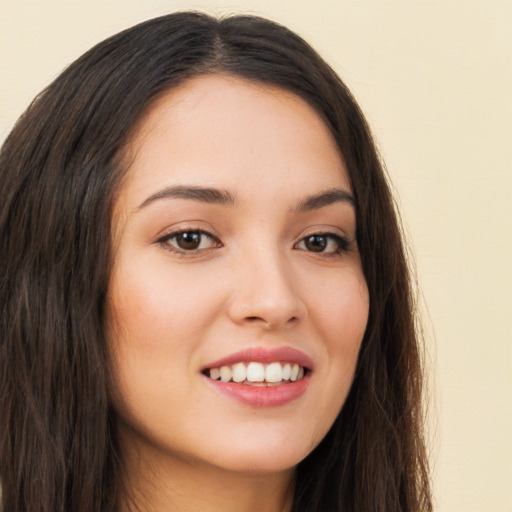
(254, 282)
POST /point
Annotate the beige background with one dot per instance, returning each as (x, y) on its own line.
(435, 80)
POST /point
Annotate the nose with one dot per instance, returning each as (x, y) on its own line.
(266, 293)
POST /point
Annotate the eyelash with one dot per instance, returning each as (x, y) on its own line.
(342, 243)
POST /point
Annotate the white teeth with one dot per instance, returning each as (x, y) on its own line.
(225, 373)
(239, 372)
(287, 368)
(254, 372)
(274, 372)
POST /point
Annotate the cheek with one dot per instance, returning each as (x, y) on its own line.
(342, 318)
(155, 325)
(343, 310)
(150, 303)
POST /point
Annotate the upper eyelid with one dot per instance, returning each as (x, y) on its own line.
(176, 232)
(326, 231)
(184, 228)
(335, 236)
(164, 238)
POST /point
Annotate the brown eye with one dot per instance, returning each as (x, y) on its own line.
(188, 241)
(325, 243)
(316, 243)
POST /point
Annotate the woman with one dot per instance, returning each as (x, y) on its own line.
(205, 302)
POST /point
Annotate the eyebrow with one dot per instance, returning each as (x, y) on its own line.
(202, 194)
(224, 197)
(334, 195)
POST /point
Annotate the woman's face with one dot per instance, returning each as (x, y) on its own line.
(236, 260)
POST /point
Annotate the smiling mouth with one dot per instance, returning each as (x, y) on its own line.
(258, 374)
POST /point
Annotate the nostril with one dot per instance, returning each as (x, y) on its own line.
(259, 319)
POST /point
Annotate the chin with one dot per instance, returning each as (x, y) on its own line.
(261, 456)
(258, 464)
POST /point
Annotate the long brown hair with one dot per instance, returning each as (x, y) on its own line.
(59, 171)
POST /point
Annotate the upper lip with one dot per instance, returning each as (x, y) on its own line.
(264, 355)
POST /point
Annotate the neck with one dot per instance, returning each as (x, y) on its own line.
(167, 483)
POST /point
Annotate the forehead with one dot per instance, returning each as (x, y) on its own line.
(219, 130)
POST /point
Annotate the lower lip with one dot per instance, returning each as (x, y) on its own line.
(262, 396)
